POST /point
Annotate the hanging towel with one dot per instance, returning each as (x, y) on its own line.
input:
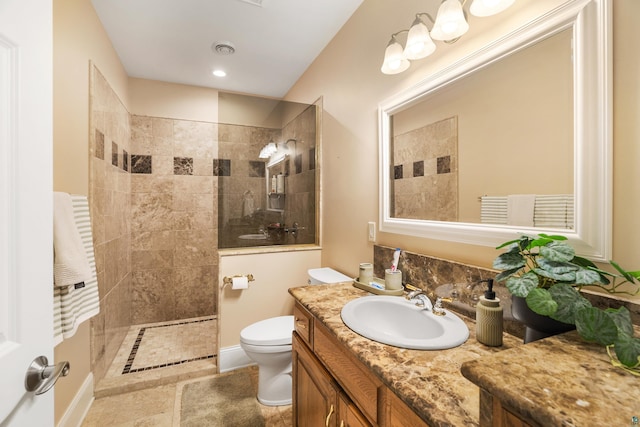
(493, 209)
(75, 303)
(248, 204)
(554, 211)
(70, 264)
(520, 209)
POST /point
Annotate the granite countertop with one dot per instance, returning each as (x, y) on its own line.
(429, 382)
(560, 381)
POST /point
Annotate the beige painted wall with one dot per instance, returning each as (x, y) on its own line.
(172, 100)
(78, 37)
(351, 93)
(267, 296)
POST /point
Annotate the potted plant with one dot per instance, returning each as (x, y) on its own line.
(546, 273)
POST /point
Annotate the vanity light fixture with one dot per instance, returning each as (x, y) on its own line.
(272, 148)
(268, 150)
(448, 26)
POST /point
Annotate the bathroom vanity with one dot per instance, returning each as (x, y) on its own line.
(349, 380)
(343, 379)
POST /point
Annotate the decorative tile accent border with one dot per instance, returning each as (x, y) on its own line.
(444, 164)
(141, 164)
(298, 163)
(221, 167)
(183, 165)
(134, 350)
(397, 172)
(312, 159)
(114, 154)
(99, 151)
(418, 168)
(257, 169)
(125, 161)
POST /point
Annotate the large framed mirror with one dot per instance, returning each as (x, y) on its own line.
(514, 138)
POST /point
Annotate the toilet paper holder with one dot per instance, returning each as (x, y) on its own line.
(229, 280)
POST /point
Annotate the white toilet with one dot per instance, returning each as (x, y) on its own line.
(268, 343)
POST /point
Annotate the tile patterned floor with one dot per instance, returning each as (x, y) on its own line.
(161, 353)
(160, 407)
(143, 386)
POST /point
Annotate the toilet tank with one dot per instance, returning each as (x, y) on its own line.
(322, 275)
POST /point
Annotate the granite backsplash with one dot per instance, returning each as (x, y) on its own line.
(445, 278)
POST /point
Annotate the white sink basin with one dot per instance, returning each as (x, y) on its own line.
(252, 237)
(395, 321)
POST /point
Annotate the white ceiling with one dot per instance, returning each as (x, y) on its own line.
(170, 40)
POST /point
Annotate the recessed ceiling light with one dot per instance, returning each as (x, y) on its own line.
(219, 73)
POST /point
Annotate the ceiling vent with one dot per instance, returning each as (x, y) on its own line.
(223, 48)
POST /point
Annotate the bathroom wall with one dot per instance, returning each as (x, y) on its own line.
(110, 206)
(174, 223)
(348, 78)
(274, 271)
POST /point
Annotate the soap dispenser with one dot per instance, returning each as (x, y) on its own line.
(489, 318)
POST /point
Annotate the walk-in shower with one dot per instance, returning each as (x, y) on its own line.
(165, 194)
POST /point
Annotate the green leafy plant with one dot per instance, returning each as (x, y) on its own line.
(547, 272)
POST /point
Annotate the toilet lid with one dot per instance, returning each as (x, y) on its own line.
(273, 331)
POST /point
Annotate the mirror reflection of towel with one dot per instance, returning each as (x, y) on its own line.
(520, 209)
(248, 206)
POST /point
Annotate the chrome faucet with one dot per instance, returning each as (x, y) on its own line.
(420, 298)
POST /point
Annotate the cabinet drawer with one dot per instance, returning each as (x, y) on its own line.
(361, 386)
(303, 324)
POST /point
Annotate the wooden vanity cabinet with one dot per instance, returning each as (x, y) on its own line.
(318, 400)
(494, 414)
(332, 388)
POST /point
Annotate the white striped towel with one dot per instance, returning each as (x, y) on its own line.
(75, 303)
(70, 264)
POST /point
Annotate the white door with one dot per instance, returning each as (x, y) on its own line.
(26, 185)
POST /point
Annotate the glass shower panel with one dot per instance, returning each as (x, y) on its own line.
(266, 169)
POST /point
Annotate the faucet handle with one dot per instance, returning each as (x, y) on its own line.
(438, 309)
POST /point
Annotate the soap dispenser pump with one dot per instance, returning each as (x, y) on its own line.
(489, 318)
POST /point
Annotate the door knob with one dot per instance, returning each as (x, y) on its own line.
(41, 377)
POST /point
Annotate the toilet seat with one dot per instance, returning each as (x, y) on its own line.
(275, 331)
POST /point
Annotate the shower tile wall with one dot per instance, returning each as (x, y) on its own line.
(243, 176)
(425, 165)
(109, 199)
(174, 223)
(300, 204)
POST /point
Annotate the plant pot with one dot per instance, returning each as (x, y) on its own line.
(537, 326)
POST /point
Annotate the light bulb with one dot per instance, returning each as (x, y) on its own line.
(450, 21)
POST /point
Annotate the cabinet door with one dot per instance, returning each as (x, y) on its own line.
(315, 396)
(348, 413)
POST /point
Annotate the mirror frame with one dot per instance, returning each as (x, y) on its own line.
(591, 236)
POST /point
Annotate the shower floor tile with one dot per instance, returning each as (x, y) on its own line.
(162, 353)
(158, 346)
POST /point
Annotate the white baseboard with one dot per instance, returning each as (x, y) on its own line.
(77, 410)
(233, 358)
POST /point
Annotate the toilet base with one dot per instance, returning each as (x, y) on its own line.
(275, 389)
